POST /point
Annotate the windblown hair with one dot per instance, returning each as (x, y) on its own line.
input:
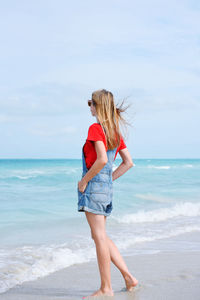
(109, 116)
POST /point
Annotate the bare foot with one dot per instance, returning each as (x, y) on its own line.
(131, 282)
(100, 293)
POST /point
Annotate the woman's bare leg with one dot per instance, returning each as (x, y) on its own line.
(97, 225)
(119, 262)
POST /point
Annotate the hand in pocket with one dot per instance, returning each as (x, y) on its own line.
(82, 184)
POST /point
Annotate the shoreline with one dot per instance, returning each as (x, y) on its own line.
(166, 275)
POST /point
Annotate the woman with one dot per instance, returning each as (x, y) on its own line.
(103, 143)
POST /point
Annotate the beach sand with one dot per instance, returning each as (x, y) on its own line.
(169, 275)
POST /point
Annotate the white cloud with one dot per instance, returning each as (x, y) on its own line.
(4, 118)
(8, 118)
(53, 132)
(60, 52)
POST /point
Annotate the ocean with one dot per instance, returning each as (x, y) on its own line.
(41, 230)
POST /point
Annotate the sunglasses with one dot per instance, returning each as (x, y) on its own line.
(91, 102)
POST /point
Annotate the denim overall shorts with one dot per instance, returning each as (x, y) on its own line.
(97, 197)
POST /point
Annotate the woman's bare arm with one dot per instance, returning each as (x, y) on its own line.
(99, 163)
(126, 164)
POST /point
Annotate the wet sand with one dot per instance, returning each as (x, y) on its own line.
(161, 276)
(169, 275)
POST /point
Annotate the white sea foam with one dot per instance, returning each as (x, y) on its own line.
(155, 198)
(127, 242)
(114, 167)
(173, 166)
(69, 171)
(33, 173)
(23, 177)
(27, 263)
(159, 167)
(31, 262)
(187, 209)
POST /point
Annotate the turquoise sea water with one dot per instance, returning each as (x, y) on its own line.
(41, 230)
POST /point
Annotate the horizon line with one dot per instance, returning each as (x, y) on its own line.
(81, 158)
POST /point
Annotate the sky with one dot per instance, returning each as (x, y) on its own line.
(54, 54)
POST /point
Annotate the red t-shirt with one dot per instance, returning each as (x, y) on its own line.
(95, 133)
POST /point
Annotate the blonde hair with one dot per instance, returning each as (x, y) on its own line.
(109, 116)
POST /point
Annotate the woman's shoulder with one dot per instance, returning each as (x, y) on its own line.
(95, 127)
(95, 132)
